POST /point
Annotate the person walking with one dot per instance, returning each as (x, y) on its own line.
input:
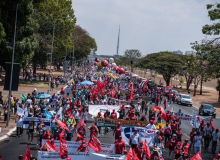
(215, 137)
(119, 145)
(134, 139)
(30, 131)
(207, 135)
(197, 143)
(19, 122)
(167, 132)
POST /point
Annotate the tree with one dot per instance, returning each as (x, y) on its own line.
(84, 44)
(47, 13)
(25, 38)
(165, 63)
(2, 32)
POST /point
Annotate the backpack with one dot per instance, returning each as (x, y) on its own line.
(167, 131)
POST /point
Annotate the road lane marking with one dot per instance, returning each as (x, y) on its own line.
(186, 135)
(196, 107)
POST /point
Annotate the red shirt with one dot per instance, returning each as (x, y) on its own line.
(62, 91)
(140, 152)
(81, 131)
(46, 136)
(173, 142)
(173, 126)
(130, 113)
(60, 134)
(154, 155)
(159, 116)
(168, 115)
(179, 134)
(113, 115)
(119, 145)
(134, 118)
(185, 148)
(165, 101)
(192, 135)
(118, 131)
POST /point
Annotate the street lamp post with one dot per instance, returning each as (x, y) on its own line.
(54, 26)
(12, 62)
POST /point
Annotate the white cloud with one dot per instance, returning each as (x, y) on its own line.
(148, 25)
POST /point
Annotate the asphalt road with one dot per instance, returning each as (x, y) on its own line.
(12, 147)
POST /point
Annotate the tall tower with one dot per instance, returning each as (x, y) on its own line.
(118, 41)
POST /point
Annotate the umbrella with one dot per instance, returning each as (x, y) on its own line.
(86, 83)
(43, 96)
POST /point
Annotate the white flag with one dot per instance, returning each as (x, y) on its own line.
(194, 122)
(20, 111)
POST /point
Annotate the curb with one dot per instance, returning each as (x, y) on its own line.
(7, 134)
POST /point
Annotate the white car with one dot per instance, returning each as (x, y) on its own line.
(184, 99)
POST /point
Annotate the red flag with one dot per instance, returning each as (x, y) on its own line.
(211, 124)
(28, 154)
(94, 143)
(199, 119)
(131, 155)
(81, 123)
(63, 149)
(81, 137)
(156, 108)
(146, 150)
(68, 111)
(163, 113)
(145, 83)
(197, 156)
(62, 125)
(131, 96)
(50, 147)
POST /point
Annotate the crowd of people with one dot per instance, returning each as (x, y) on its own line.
(71, 107)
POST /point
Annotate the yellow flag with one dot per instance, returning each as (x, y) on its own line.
(74, 121)
(13, 102)
(162, 124)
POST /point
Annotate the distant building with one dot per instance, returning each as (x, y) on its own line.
(190, 52)
(178, 52)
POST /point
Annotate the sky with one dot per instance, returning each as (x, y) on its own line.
(147, 25)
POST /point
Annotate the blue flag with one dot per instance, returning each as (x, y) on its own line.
(48, 114)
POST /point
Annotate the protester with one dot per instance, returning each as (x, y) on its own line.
(117, 131)
(215, 137)
(207, 135)
(197, 142)
(134, 139)
(119, 145)
(140, 151)
(31, 130)
(19, 124)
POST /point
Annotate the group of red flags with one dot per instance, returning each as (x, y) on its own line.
(132, 156)
(163, 113)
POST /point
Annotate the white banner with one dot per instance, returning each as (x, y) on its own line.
(56, 156)
(187, 117)
(94, 109)
(26, 121)
(20, 111)
(73, 146)
(144, 133)
(98, 156)
(78, 156)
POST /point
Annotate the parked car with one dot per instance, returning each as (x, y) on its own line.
(207, 109)
(184, 99)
